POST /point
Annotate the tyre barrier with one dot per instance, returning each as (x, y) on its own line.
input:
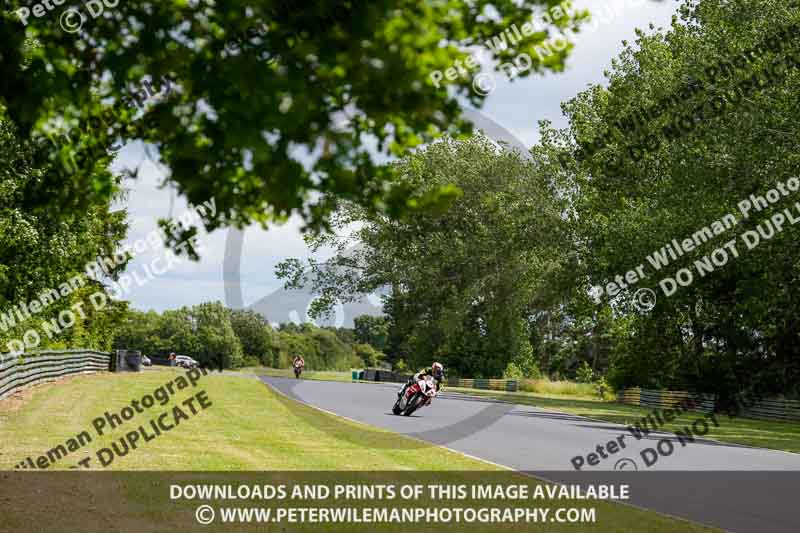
(763, 409)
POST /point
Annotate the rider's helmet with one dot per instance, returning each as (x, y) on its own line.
(437, 369)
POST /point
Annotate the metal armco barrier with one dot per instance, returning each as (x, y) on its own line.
(18, 372)
(766, 409)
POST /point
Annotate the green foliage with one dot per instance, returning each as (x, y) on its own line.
(603, 388)
(346, 335)
(585, 374)
(204, 332)
(43, 248)
(488, 257)
(323, 78)
(502, 278)
(372, 330)
(737, 325)
(512, 371)
(215, 340)
(369, 355)
(465, 281)
(322, 348)
(255, 334)
(557, 387)
(248, 361)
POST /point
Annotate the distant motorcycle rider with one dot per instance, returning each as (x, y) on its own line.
(436, 371)
(298, 364)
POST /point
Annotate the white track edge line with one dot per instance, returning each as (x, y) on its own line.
(506, 467)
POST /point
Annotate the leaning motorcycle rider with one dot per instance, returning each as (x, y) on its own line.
(436, 371)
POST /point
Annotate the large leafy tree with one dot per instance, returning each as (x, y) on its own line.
(42, 247)
(736, 326)
(216, 341)
(464, 282)
(372, 330)
(270, 101)
(139, 330)
(203, 331)
(255, 334)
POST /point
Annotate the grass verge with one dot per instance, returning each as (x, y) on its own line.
(247, 427)
(558, 388)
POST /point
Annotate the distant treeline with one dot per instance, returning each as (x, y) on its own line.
(214, 334)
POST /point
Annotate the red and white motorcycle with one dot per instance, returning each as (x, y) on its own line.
(414, 396)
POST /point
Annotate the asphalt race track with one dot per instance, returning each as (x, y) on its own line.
(736, 488)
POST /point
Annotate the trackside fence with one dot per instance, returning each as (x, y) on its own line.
(765, 409)
(18, 372)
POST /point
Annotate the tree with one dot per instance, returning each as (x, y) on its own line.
(177, 332)
(372, 330)
(322, 348)
(249, 84)
(42, 248)
(464, 281)
(203, 332)
(217, 343)
(254, 333)
(366, 353)
(142, 331)
(694, 120)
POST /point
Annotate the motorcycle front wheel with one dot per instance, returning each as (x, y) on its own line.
(396, 409)
(413, 404)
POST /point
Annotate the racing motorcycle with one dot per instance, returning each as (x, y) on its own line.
(414, 396)
(298, 369)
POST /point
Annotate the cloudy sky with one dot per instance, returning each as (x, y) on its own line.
(516, 106)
